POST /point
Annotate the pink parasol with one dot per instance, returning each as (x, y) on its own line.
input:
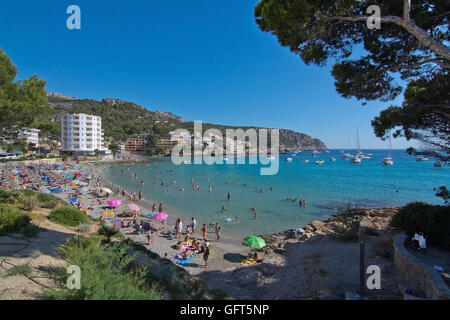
(134, 207)
(78, 174)
(114, 203)
(160, 216)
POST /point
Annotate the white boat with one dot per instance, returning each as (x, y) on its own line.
(361, 155)
(319, 162)
(346, 156)
(356, 159)
(288, 159)
(422, 159)
(332, 159)
(306, 160)
(388, 161)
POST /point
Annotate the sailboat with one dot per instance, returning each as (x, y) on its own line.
(389, 161)
(361, 155)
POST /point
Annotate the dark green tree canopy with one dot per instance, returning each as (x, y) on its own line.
(411, 45)
(22, 103)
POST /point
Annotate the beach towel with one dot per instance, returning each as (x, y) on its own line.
(248, 262)
(183, 262)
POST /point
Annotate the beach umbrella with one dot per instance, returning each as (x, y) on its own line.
(150, 215)
(255, 242)
(160, 216)
(134, 207)
(78, 174)
(107, 190)
(73, 200)
(114, 203)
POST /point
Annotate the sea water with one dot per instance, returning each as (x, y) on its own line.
(324, 187)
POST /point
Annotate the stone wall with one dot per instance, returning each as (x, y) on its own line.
(418, 274)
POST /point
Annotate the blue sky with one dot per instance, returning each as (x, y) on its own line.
(203, 60)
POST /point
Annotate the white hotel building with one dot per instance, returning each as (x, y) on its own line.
(82, 134)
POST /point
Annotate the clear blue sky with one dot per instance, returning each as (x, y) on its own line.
(203, 60)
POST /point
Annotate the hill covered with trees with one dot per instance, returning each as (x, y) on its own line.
(123, 119)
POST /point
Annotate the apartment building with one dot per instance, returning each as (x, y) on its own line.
(136, 144)
(31, 136)
(82, 134)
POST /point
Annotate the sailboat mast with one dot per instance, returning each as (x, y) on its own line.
(357, 140)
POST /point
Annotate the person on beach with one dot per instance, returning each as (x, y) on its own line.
(217, 233)
(154, 207)
(140, 195)
(204, 231)
(193, 224)
(228, 196)
(142, 183)
(206, 254)
(161, 208)
(210, 188)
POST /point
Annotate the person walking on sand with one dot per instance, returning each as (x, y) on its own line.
(204, 231)
(193, 224)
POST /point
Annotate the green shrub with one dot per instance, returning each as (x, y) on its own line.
(433, 221)
(347, 222)
(12, 219)
(9, 197)
(107, 231)
(48, 201)
(84, 228)
(27, 192)
(106, 273)
(68, 216)
(22, 270)
(30, 231)
(27, 203)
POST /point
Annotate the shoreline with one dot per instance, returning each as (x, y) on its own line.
(231, 240)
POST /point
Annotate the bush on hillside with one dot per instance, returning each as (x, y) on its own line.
(48, 201)
(68, 216)
(9, 197)
(433, 221)
(106, 273)
(12, 219)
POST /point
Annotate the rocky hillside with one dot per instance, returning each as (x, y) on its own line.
(291, 140)
(123, 119)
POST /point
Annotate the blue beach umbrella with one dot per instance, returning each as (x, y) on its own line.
(73, 200)
(150, 215)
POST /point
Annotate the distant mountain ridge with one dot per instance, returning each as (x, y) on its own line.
(123, 119)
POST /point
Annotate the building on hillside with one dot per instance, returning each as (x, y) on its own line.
(121, 146)
(136, 144)
(31, 136)
(181, 138)
(166, 143)
(82, 134)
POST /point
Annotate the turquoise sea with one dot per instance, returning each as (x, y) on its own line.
(368, 184)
